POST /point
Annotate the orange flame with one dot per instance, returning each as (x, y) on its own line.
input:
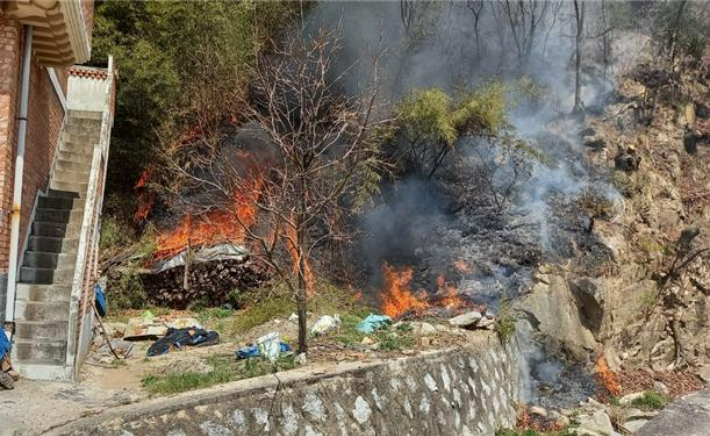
(607, 377)
(215, 226)
(451, 299)
(397, 297)
(462, 267)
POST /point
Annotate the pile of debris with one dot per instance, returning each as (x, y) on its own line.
(207, 276)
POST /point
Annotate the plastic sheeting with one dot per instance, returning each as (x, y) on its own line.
(206, 254)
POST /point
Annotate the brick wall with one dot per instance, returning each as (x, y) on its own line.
(44, 122)
(10, 55)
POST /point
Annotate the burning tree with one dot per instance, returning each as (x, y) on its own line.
(322, 148)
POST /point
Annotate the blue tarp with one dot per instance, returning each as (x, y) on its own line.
(101, 305)
(372, 323)
(5, 344)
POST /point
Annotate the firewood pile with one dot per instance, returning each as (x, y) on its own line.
(207, 283)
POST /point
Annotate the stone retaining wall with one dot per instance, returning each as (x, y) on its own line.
(463, 391)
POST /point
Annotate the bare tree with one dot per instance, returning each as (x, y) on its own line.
(322, 150)
(525, 18)
(579, 35)
(476, 8)
(673, 33)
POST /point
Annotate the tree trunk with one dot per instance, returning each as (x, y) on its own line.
(673, 35)
(579, 15)
(302, 292)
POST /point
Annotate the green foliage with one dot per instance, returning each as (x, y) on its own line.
(126, 292)
(482, 111)
(226, 369)
(430, 121)
(425, 116)
(650, 401)
(394, 340)
(177, 61)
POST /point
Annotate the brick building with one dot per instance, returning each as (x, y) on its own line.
(55, 121)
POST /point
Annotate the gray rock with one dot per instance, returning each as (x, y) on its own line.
(661, 388)
(559, 419)
(469, 319)
(704, 373)
(635, 425)
(539, 411)
(689, 416)
(423, 329)
(595, 424)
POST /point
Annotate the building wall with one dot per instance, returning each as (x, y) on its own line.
(44, 122)
(10, 55)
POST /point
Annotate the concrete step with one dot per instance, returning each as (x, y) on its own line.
(85, 115)
(55, 330)
(87, 138)
(43, 293)
(52, 245)
(39, 259)
(82, 147)
(73, 177)
(77, 188)
(45, 202)
(63, 194)
(83, 125)
(70, 152)
(47, 276)
(41, 311)
(56, 230)
(82, 166)
(53, 216)
(48, 351)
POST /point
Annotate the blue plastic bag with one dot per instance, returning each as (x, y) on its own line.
(251, 351)
(372, 323)
(5, 344)
(101, 305)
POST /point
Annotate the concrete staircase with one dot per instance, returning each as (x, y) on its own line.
(48, 264)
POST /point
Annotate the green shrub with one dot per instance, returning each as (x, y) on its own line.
(650, 401)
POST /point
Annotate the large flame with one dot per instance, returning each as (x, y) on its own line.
(397, 297)
(217, 226)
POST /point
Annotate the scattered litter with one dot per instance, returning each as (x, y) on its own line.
(325, 324)
(270, 346)
(178, 338)
(293, 318)
(148, 326)
(252, 350)
(301, 359)
(372, 323)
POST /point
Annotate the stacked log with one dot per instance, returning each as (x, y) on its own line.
(210, 284)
